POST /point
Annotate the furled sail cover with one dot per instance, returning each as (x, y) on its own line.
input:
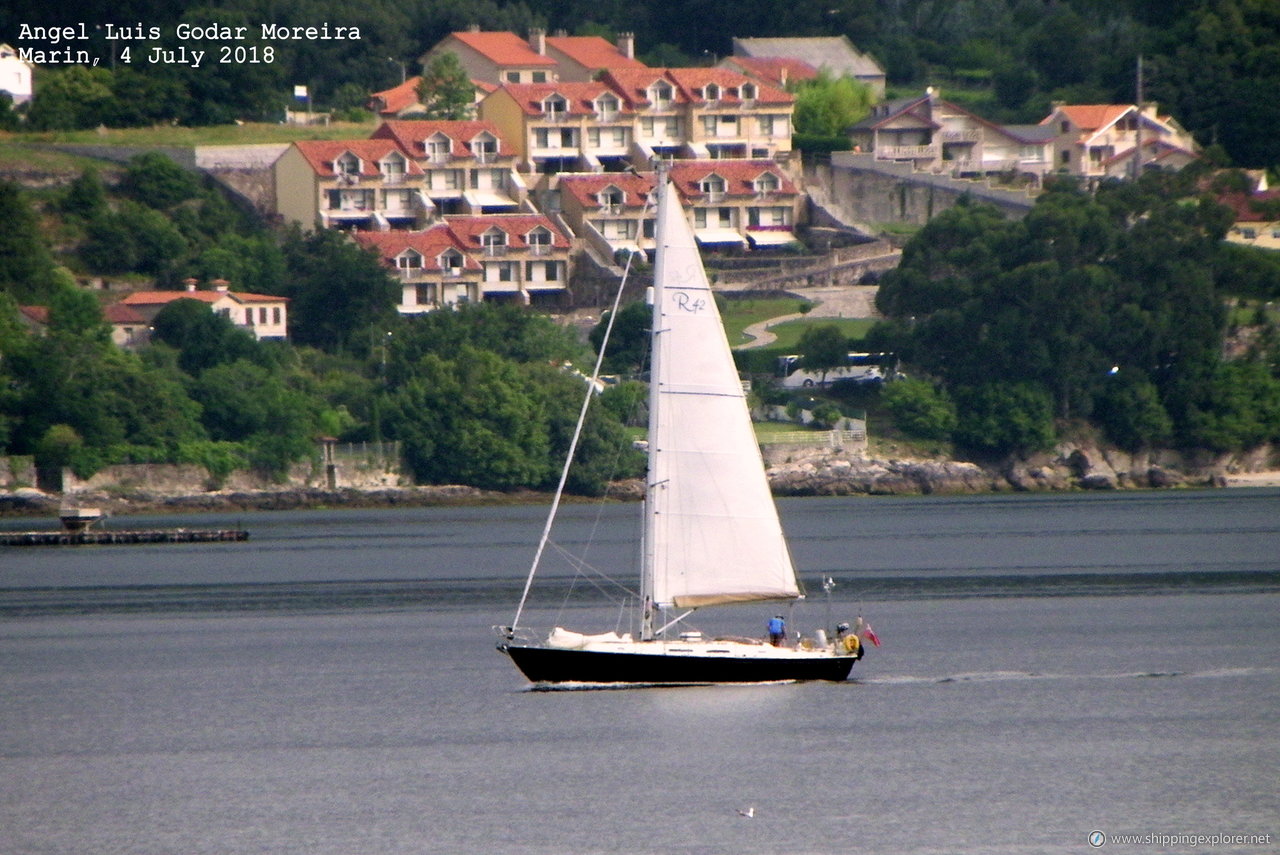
(712, 529)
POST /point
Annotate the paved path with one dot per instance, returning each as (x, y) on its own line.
(843, 301)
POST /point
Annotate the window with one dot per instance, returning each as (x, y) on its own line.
(484, 147)
(451, 262)
(539, 77)
(748, 91)
(494, 241)
(437, 149)
(660, 94)
(711, 92)
(262, 315)
(409, 260)
(607, 107)
(612, 198)
(347, 164)
(513, 77)
(248, 317)
(275, 315)
(713, 186)
(767, 183)
(555, 107)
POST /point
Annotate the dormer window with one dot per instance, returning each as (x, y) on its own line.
(711, 92)
(485, 147)
(611, 198)
(661, 95)
(410, 259)
(539, 241)
(438, 148)
(749, 92)
(767, 183)
(714, 186)
(393, 167)
(555, 107)
(494, 241)
(607, 107)
(451, 262)
(347, 164)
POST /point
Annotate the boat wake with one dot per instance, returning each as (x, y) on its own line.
(1005, 676)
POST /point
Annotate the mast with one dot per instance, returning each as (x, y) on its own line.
(649, 559)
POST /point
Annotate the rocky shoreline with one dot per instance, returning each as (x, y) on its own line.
(794, 471)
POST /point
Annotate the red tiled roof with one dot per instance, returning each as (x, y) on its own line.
(392, 101)
(739, 176)
(694, 81)
(468, 229)
(774, 68)
(410, 134)
(592, 52)
(162, 298)
(322, 153)
(580, 96)
(1089, 117)
(1243, 205)
(429, 243)
(118, 313)
(636, 189)
(505, 49)
(634, 84)
(36, 314)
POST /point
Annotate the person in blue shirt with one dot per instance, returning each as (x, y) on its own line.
(777, 630)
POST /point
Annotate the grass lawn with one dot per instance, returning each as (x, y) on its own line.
(740, 314)
(246, 134)
(789, 333)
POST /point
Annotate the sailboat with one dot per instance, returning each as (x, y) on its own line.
(711, 532)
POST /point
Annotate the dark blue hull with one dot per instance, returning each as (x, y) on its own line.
(555, 665)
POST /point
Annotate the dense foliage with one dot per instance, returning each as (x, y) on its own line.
(481, 396)
(1210, 63)
(1102, 307)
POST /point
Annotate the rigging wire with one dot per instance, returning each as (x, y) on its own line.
(573, 445)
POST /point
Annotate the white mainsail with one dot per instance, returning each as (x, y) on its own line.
(712, 532)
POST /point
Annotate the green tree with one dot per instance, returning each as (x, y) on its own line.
(203, 338)
(823, 347)
(26, 265)
(86, 197)
(920, 409)
(628, 350)
(1004, 418)
(825, 106)
(338, 291)
(471, 420)
(446, 90)
(75, 96)
(157, 182)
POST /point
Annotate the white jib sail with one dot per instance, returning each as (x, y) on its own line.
(712, 529)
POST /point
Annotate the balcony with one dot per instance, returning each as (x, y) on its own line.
(493, 250)
(906, 152)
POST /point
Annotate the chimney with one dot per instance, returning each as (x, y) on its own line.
(220, 285)
(190, 284)
(627, 45)
(473, 28)
(782, 76)
(538, 40)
